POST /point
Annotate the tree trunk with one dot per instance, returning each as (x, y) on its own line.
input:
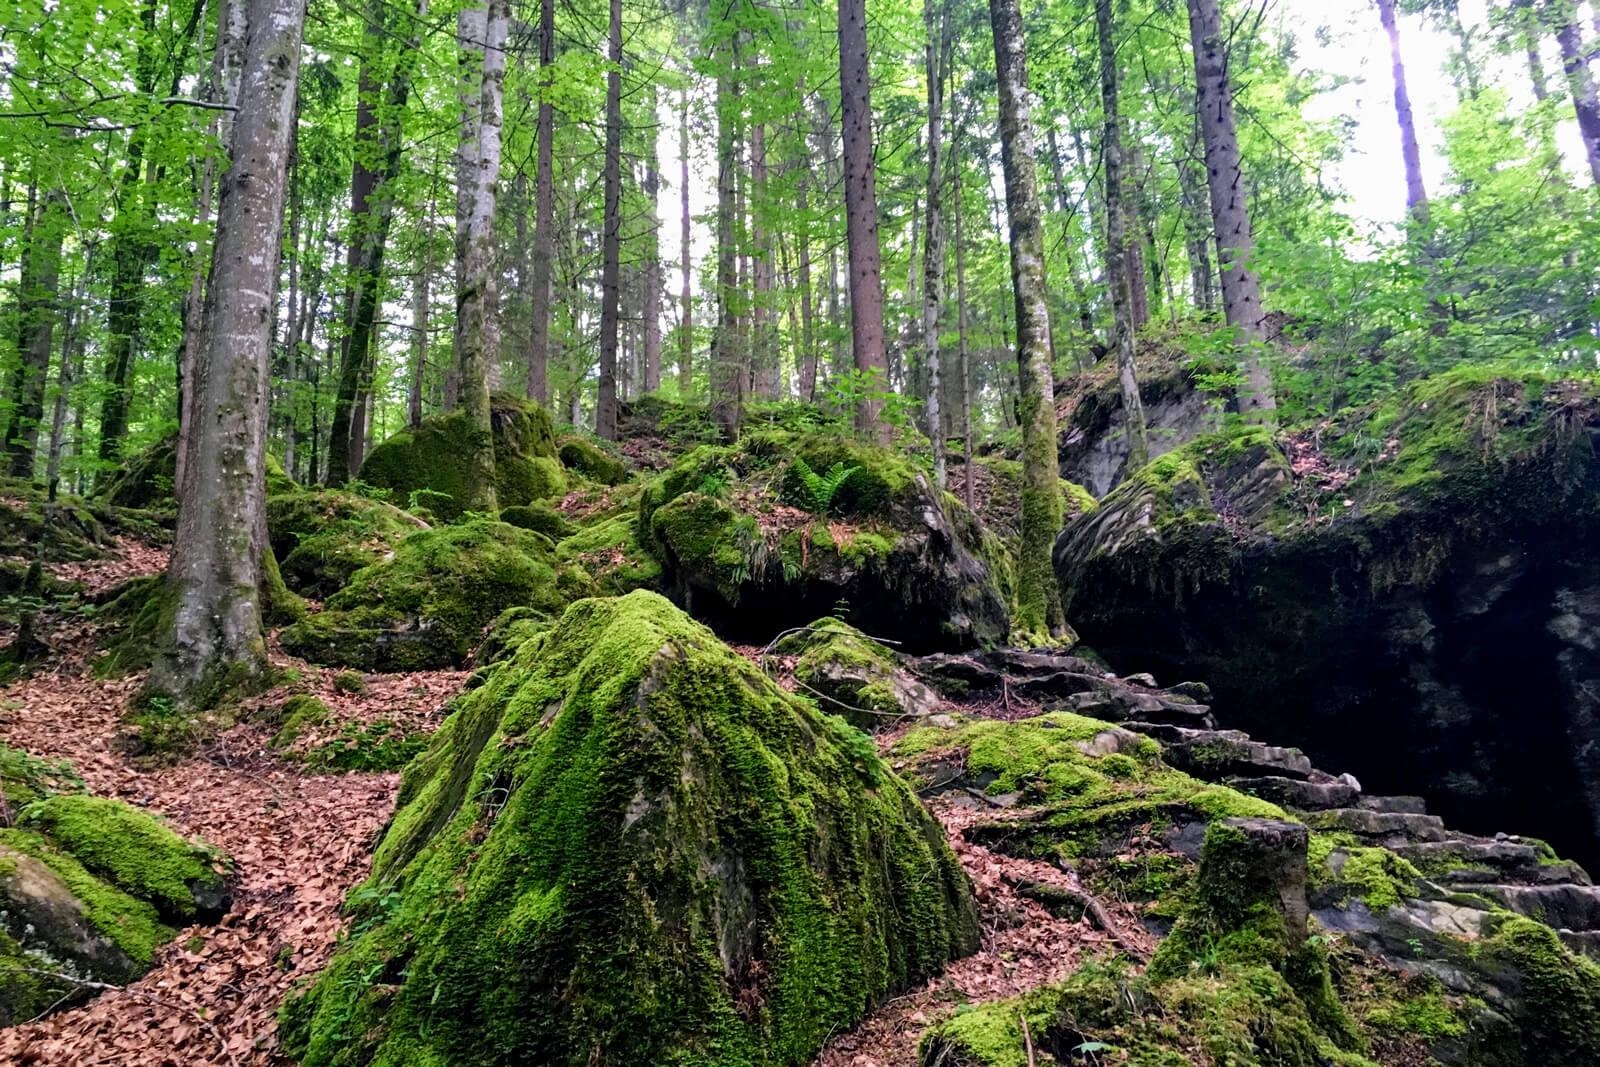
(605, 405)
(217, 645)
(376, 166)
(71, 345)
(935, 60)
(1118, 269)
(686, 297)
(1585, 99)
(1064, 205)
(861, 220)
(544, 212)
(1416, 194)
(482, 35)
(37, 309)
(764, 346)
(1197, 234)
(1230, 216)
(808, 351)
(1133, 218)
(651, 342)
(726, 374)
(1038, 598)
(964, 357)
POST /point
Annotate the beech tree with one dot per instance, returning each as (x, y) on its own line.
(215, 575)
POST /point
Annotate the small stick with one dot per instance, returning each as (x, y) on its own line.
(1027, 1038)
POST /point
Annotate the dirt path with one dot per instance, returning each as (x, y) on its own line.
(302, 841)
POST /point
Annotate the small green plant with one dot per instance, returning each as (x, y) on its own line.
(715, 483)
(819, 490)
(426, 498)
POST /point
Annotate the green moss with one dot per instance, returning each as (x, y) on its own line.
(1424, 1012)
(322, 537)
(1559, 1018)
(297, 714)
(350, 682)
(1376, 876)
(610, 549)
(431, 460)
(990, 1034)
(592, 461)
(131, 850)
(629, 840)
(426, 606)
(539, 518)
(25, 778)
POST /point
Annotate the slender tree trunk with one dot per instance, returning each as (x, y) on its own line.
(482, 35)
(861, 218)
(376, 166)
(1038, 597)
(421, 298)
(1230, 216)
(37, 309)
(1064, 206)
(538, 386)
(808, 351)
(1118, 269)
(1563, 16)
(71, 344)
(1133, 218)
(726, 377)
(605, 407)
(651, 342)
(963, 357)
(217, 645)
(686, 297)
(1197, 233)
(764, 347)
(1416, 194)
(936, 59)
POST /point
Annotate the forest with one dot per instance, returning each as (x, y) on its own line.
(751, 532)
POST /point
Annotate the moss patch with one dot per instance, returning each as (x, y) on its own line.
(322, 537)
(592, 461)
(629, 844)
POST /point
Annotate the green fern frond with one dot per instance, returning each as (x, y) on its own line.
(822, 488)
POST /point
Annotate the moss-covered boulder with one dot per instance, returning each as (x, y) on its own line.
(425, 607)
(628, 846)
(539, 518)
(1386, 593)
(784, 528)
(592, 461)
(321, 537)
(89, 888)
(425, 467)
(855, 677)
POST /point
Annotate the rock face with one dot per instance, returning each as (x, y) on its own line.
(628, 846)
(89, 888)
(1425, 580)
(425, 467)
(858, 528)
(427, 605)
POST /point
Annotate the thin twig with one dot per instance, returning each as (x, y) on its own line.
(108, 987)
(1027, 1038)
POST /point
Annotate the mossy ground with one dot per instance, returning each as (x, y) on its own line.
(428, 604)
(627, 847)
(322, 537)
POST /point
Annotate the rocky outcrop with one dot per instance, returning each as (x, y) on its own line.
(855, 530)
(855, 677)
(1421, 579)
(628, 846)
(322, 537)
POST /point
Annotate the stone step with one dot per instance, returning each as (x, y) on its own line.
(1386, 828)
(1393, 805)
(1563, 906)
(1473, 861)
(1298, 793)
(1583, 942)
(1218, 755)
(1123, 704)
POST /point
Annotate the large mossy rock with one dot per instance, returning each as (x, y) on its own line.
(630, 847)
(425, 607)
(746, 544)
(89, 888)
(1422, 576)
(854, 677)
(426, 466)
(322, 537)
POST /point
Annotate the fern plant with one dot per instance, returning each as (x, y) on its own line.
(820, 489)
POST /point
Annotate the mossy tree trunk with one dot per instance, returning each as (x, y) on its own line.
(1119, 270)
(1230, 216)
(482, 37)
(216, 643)
(1038, 598)
(37, 309)
(861, 219)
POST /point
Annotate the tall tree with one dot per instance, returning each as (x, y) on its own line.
(763, 337)
(936, 21)
(1416, 194)
(1230, 215)
(1118, 268)
(544, 211)
(37, 311)
(686, 298)
(1039, 610)
(861, 218)
(726, 376)
(1563, 16)
(481, 33)
(214, 576)
(650, 355)
(605, 405)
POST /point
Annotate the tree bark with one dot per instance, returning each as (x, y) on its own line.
(71, 348)
(1197, 233)
(605, 405)
(861, 220)
(1230, 216)
(964, 356)
(726, 373)
(650, 343)
(1118, 269)
(764, 346)
(1133, 230)
(1039, 609)
(808, 351)
(37, 309)
(544, 248)
(936, 21)
(686, 297)
(1416, 194)
(482, 35)
(217, 645)
(1563, 16)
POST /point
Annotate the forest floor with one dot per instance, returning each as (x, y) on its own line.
(302, 840)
